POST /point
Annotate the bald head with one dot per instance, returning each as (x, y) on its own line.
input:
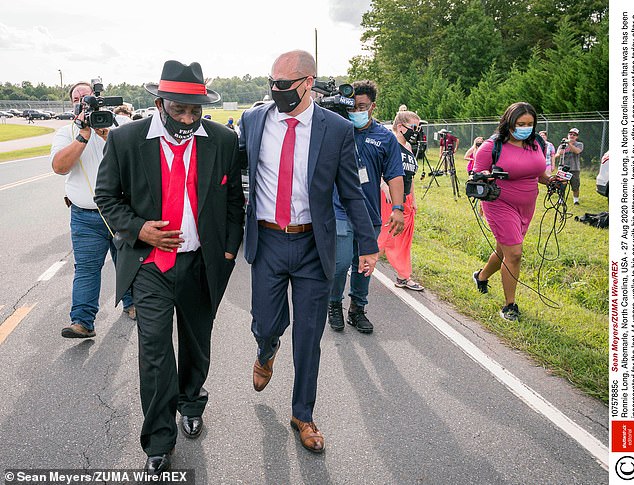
(295, 63)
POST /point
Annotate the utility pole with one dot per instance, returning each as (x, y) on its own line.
(61, 85)
(316, 70)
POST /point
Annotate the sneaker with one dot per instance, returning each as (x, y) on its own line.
(335, 316)
(77, 330)
(410, 284)
(131, 311)
(357, 318)
(510, 312)
(576, 202)
(483, 285)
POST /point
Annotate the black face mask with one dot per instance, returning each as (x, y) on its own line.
(287, 101)
(410, 136)
(179, 131)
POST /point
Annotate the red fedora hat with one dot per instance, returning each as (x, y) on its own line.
(183, 84)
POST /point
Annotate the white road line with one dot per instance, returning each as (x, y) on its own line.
(22, 160)
(517, 387)
(50, 272)
(25, 181)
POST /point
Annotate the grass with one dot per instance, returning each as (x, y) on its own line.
(222, 116)
(570, 340)
(25, 153)
(13, 132)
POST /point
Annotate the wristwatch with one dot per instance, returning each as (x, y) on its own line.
(398, 207)
(81, 139)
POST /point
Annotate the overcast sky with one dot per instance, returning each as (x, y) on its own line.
(130, 40)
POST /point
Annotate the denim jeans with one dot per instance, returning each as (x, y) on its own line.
(91, 242)
(348, 256)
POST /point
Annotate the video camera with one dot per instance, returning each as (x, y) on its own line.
(334, 98)
(564, 143)
(442, 135)
(419, 147)
(91, 105)
(482, 185)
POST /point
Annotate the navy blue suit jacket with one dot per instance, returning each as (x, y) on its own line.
(331, 161)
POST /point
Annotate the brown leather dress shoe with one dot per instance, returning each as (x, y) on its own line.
(309, 435)
(262, 373)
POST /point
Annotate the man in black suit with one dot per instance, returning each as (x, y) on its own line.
(297, 152)
(170, 186)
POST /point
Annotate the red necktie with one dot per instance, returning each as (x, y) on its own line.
(285, 176)
(173, 210)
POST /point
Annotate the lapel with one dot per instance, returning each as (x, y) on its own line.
(317, 132)
(151, 163)
(253, 148)
(206, 154)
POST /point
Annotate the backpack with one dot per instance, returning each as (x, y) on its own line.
(497, 147)
(600, 220)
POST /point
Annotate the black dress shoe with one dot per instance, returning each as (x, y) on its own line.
(155, 465)
(192, 426)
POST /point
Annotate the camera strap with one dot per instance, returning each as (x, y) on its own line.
(92, 192)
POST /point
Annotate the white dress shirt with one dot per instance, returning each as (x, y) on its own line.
(269, 165)
(188, 224)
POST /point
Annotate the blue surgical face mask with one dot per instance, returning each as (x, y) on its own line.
(359, 118)
(522, 132)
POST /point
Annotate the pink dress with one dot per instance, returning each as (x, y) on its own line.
(510, 215)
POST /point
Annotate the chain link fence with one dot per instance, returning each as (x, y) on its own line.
(593, 132)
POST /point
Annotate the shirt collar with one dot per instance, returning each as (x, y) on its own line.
(157, 130)
(305, 117)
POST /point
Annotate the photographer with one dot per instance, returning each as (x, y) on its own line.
(77, 152)
(378, 157)
(510, 214)
(448, 140)
(569, 154)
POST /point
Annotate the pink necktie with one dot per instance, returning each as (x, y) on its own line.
(285, 176)
(173, 209)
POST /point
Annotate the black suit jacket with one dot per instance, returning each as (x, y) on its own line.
(128, 192)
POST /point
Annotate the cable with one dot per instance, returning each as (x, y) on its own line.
(542, 297)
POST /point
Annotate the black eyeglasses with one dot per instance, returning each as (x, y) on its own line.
(284, 84)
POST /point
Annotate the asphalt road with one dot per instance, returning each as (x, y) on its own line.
(405, 405)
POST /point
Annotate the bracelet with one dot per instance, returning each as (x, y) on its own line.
(81, 139)
(398, 207)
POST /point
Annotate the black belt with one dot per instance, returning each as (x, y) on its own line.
(87, 210)
(296, 229)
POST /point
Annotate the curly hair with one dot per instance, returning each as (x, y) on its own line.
(365, 87)
(510, 117)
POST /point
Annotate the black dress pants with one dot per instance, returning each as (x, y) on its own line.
(164, 389)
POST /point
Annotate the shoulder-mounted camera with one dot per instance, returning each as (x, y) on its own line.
(334, 98)
(482, 185)
(94, 115)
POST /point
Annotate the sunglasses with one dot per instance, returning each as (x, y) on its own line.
(284, 84)
(573, 134)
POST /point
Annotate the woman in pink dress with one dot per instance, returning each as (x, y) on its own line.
(510, 215)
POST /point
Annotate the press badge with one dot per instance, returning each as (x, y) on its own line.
(363, 175)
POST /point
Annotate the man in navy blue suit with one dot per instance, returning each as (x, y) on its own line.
(297, 152)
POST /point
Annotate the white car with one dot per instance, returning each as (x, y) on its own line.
(603, 179)
(146, 112)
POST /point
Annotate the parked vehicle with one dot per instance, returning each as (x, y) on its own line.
(15, 112)
(603, 179)
(67, 115)
(5, 114)
(35, 114)
(146, 112)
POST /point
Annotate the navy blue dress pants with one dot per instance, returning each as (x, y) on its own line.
(284, 259)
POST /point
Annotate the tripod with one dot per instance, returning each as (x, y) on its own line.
(446, 165)
(421, 154)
